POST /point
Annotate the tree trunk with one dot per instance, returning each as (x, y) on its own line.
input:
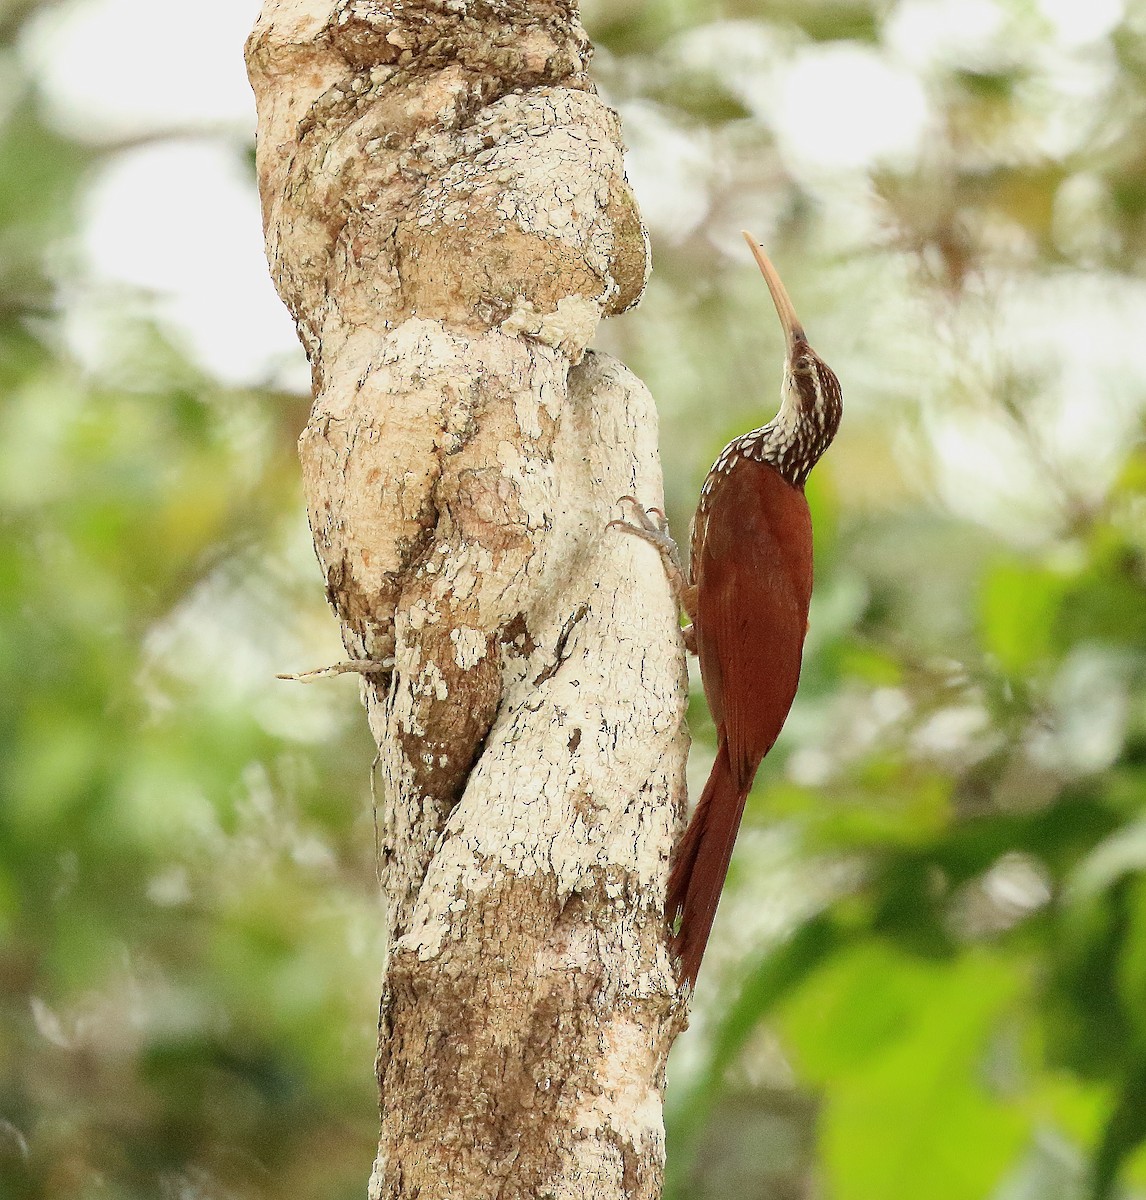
(447, 219)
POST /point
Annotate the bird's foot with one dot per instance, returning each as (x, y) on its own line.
(651, 526)
(649, 520)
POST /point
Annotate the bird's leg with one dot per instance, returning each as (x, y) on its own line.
(652, 526)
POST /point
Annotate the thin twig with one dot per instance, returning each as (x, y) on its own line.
(358, 666)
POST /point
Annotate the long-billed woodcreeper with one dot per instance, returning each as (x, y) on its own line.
(747, 596)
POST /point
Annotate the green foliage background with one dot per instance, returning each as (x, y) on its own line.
(929, 975)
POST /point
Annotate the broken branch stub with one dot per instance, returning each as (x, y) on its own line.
(447, 218)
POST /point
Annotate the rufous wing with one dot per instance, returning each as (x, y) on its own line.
(754, 587)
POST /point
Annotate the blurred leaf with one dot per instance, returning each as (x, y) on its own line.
(1124, 1132)
(1020, 606)
(1088, 1028)
(903, 1046)
(871, 665)
(1132, 970)
(1108, 603)
(1078, 1109)
(701, 97)
(990, 85)
(1132, 477)
(831, 20)
(886, 807)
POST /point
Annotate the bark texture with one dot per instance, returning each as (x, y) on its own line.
(447, 219)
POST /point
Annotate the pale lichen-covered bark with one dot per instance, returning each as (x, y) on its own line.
(447, 219)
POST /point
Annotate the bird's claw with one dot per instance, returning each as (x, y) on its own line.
(649, 520)
(652, 527)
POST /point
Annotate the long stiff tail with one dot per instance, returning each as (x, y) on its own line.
(701, 864)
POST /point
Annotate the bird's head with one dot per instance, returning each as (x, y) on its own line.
(811, 402)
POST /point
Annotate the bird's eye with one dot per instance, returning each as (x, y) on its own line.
(803, 365)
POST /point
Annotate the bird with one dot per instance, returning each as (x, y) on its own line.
(747, 593)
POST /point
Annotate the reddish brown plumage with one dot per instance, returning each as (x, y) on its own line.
(748, 597)
(753, 579)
